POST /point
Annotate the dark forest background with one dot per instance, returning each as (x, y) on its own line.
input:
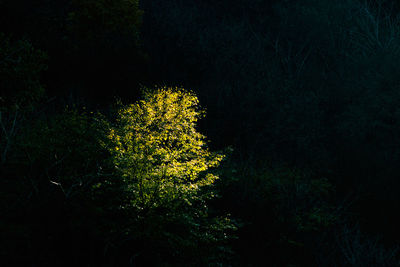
(301, 96)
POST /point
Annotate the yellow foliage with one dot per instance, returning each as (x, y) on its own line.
(157, 148)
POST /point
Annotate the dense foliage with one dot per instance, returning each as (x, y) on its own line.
(104, 159)
(163, 160)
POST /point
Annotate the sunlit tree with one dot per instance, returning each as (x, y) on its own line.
(163, 161)
(158, 150)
